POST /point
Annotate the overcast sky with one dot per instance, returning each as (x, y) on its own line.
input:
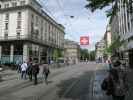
(84, 23)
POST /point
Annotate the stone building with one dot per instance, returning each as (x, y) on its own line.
(122, 28)
(99, 49)
(71, 52)
(27, 32)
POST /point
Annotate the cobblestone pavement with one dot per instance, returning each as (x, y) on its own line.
(100, 74)
(77, 82)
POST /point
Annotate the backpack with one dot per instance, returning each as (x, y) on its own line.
(35, 69)
(107, 86)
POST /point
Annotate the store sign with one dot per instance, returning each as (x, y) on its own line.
(84, 40)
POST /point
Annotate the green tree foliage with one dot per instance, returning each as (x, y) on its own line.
(115, 45)
(85, 54)
(94, 5)
(57, 54)
(92, 55)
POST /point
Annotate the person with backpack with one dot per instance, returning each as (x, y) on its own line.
(116, 84)
(120, 82)
(35, 72)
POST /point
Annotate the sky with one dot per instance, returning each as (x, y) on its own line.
(84, 23)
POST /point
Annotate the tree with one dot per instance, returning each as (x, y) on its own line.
(84, 54)
(92, 55)
(57, 54)
(94, 5)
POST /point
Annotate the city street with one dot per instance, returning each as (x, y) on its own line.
(77, 82)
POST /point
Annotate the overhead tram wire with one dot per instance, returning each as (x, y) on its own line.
(45, 8)
(59, 4)
(65, 16)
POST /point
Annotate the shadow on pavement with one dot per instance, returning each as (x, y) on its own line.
(76, 88)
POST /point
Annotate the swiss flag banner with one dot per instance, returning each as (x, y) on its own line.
(84, 40)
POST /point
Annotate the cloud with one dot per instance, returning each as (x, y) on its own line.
(83, 23)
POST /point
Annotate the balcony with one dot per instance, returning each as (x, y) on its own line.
(28, 38)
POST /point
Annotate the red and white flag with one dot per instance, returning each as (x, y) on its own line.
(84, 40)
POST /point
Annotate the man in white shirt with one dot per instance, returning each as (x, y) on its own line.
(24, 67)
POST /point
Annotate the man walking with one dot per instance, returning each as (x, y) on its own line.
(35, 71)
(23, 70)
(46, 71)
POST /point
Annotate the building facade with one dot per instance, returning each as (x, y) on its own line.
(122, 26)
(99, 49)
(71, 52)
(27, 32)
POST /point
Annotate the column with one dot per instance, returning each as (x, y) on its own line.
(11, 53)
(39, 55)
(25, 52)
(0, 52)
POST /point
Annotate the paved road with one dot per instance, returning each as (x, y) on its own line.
(69, 83)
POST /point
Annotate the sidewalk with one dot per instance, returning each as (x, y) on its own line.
(100, 74)
(99, 94)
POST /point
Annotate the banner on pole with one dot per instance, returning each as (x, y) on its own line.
(84, 40)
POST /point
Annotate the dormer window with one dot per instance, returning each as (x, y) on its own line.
(6, 5)
(14, 4)
(22, 3)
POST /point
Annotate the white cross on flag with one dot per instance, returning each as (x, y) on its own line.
(84, 40)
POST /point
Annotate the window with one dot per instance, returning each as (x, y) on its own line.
(19, 15)
(19, 25)
(6, 35)
(22, 3)
(18, 35)
(36, 20)
(7, 16)
(14, 4)
(6, 26)
(0, 6)
(6, 5)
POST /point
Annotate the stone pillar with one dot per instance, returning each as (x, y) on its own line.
(25, 52)
(11, 53)
(39, 55)
(0, 52)
(48, 54)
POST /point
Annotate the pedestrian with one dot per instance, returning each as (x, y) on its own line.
(18, 65)
(29, 70)
(23, 70)
(35, 72)
(46, 71)
(120, 82)
(109, 64)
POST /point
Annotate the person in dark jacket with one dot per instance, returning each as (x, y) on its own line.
(35, 72)
(29, 70)
(46, 71)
